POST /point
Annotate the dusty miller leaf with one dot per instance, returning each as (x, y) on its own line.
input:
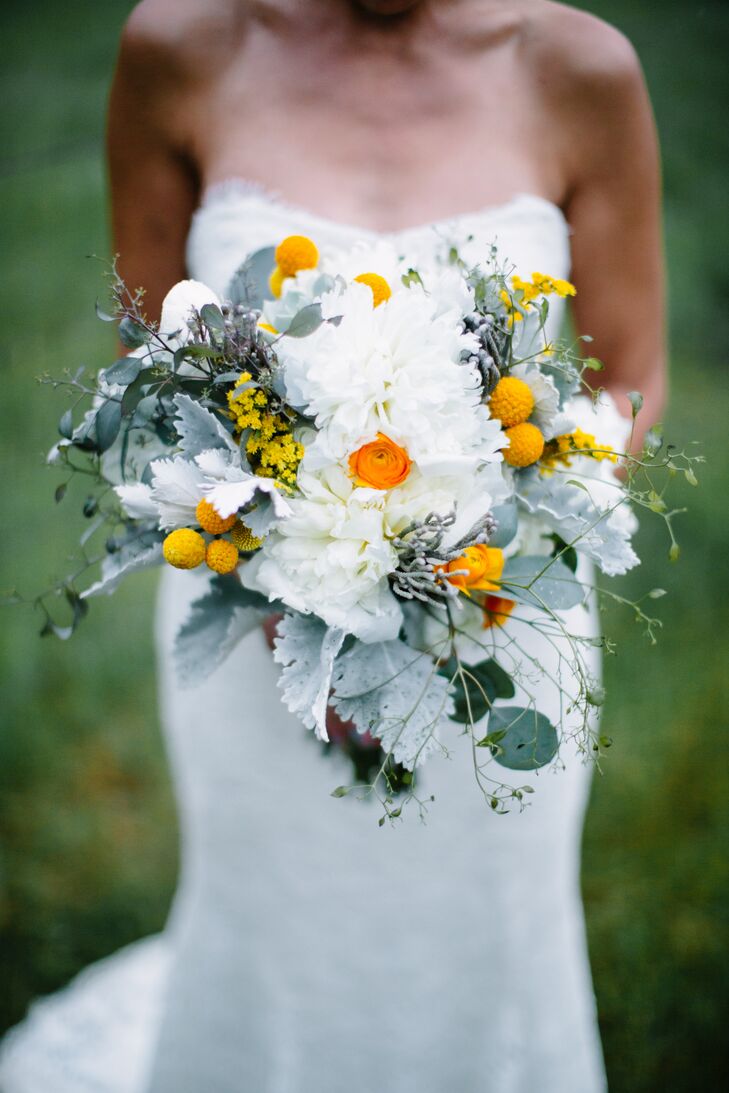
(215, 625)
(307, 648)
(197, 428)
(394, 692)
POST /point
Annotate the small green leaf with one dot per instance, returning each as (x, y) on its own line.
(674, 553)
(341, 791)
(124, 371)
(137, 390)
(212, 316)
(305, 322)
(65, 425)
(476, 688)
(656, 593)
(108, 420)
(636, 402)
(103, 315)
(530, 739)
(131, 333)
(60, 492)
(690, 477)
(594, 364)
(412, 277)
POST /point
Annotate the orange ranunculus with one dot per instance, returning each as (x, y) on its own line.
(496, 611)
(381, 464)
(483, 564)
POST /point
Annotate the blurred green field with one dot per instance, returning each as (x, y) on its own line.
(87, 820)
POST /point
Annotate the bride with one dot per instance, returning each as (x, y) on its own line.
(308, 950)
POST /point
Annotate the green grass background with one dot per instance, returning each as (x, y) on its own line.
(88, 826)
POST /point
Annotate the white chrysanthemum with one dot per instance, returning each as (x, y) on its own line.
(545, 414)
(331, 557)
(390, 369)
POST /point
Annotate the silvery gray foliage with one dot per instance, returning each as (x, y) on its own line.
(420, 551)
(197, 428)
(307, 648)
(557, 588)
(216, 623)
(573, 515)
(141, 551)
(396, 692)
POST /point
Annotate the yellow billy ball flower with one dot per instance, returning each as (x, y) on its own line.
(210, 520)
(526, 445)
(511, 401)
(267, 327)
(381, 291)
(184, 549)
(222, 556)
(275, 281)
(244, 538)
(296, 252)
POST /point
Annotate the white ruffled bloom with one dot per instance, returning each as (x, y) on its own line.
(391, 369)
(331, 557)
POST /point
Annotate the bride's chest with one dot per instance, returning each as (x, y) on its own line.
(374, 141)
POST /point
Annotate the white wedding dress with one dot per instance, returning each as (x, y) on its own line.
(308, 949)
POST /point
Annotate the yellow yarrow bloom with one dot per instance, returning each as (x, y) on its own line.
(296, 252)
(210, 520)
(511, 401)
(526, 445)
(563, 448)
(270, 445)
(244, 538)
(184, 549)
(381, 290)
(548, 285)
(221, 556)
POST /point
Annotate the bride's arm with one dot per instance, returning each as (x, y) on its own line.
(614, 209)
(153, 184)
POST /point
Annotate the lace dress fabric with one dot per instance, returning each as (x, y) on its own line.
(309, 950)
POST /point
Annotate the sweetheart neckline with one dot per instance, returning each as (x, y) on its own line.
(223, 189)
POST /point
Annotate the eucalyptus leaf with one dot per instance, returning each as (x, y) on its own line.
(124, 371)
(476, 687)
(212, 316)
(305, 322)
(78, 609)
(542, 582)
(249, 285)
(103, 315)
(108, 421)
(507, 519)
(131, 333)
(636, 402)
(136, 390)
(65, 425)
(529, 739)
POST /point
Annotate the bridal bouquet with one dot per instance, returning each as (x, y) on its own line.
(390, 453)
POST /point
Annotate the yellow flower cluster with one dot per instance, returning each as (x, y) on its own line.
(270, 446)
(523, 293)
(563, 448)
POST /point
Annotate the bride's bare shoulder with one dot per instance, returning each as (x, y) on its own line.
(574, 50)
(182, 34)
